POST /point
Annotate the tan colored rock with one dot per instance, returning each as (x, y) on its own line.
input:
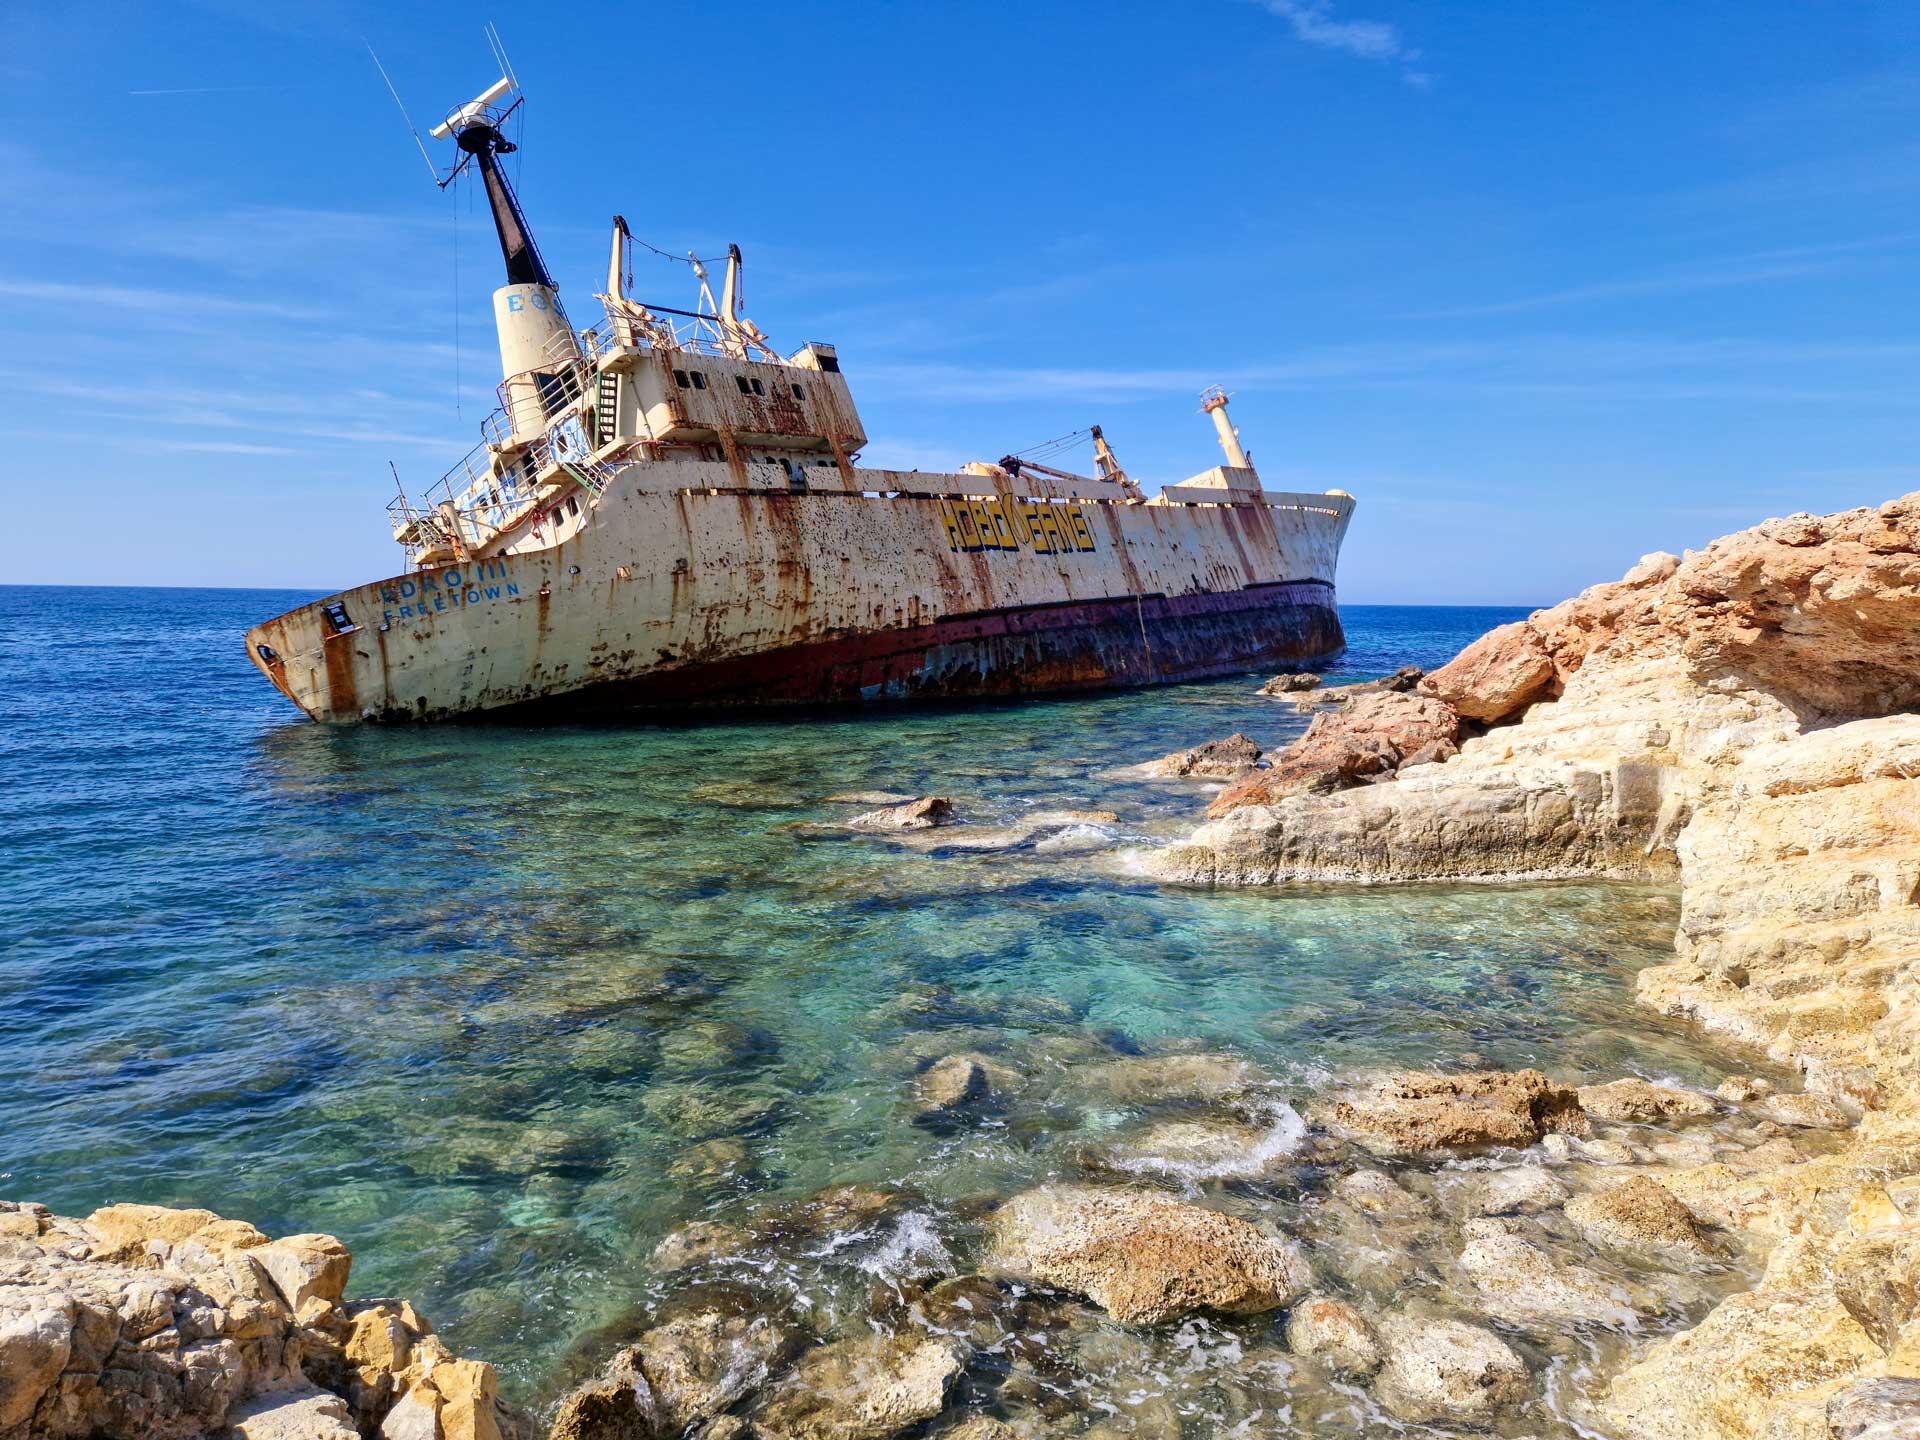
(1739, 1089)
(1334, 1333)
(1447, 1370)
(1639, 1102)
(1366, 739)
(1226, 759)
(140, 1234)
(171, 1325)
(1809, 1112)
(862, 1389)
(1143, 1257)
(1414, 1112)
(1291, 684)
(305, 1267)
(1497, 676)
(36, 1340)
(698, 1242)
(1377, 1193)
(1517, 1190)
(948, 1085)
(1526, 1287)
(922, 814)
(302, 1413)
(1640, 1214)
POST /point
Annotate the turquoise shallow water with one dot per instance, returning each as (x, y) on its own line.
(503, 1006)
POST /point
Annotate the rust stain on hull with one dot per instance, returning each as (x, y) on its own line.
(721, 596)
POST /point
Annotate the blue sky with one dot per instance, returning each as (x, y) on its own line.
(1545, 285)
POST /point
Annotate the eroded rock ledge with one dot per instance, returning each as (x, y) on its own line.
(1743, 720)
(146, 1323)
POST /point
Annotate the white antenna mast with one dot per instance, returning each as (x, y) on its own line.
(500, 53)
(403, 110)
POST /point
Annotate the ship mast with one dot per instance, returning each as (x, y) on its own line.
(536, 338)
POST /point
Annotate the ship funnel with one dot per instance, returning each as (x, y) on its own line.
(1214, 402)
(535, 334)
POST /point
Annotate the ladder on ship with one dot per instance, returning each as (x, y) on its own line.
(607, 409)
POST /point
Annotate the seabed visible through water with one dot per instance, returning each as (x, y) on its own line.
(504, 1007)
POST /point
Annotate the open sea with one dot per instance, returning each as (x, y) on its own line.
(503, 1006)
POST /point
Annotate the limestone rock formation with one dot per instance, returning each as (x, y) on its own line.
(1447, 1370)
(1293, 683)
(1640, 1215)
(1334, 1333)
(1413, 1112)
(1743, 720)
(1525, 1286)
(863, 1389)
(1370, 738)
(147, 1323)
(1226, 759)
(679, 1374)
(1143, 1256)
(1639, 1102)
(922, 814)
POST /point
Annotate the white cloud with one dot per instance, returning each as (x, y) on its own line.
(1313, 23)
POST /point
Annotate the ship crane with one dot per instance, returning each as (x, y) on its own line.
(1105, 461)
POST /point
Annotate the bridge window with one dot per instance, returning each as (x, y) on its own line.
(758, 388)
(798, 393)
(680, 379)
(699, 380)
(741, 381)
(573, 504)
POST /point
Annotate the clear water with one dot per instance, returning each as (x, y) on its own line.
(480, 1000)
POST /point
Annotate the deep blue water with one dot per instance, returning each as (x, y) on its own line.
(488, 1002)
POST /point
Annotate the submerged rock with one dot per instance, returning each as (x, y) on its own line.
(1192, 1150)
(678, 1375)
(700, 1242)
(1143, 1257)
(1379, 1194)
(947, 1086)
(1521, 1190)
(922, 814)
(1415, 1112)
(1144, 1080)
(1639, 1102)
(866, 1389)
(1527, 1287)
(1334, 1333)
(1446, 1370)
(1640, 1215)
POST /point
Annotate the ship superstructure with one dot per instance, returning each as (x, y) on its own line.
(666, 510)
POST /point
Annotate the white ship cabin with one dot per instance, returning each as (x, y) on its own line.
(636, 387)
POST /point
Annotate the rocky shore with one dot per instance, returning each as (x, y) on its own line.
(1743, 721)
(150, 1323)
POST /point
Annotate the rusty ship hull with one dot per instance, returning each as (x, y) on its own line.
(680, 593)
(670, 512)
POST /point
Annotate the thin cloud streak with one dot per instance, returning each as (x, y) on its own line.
(1313, 23)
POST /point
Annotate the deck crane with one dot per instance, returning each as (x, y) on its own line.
(1104, 459)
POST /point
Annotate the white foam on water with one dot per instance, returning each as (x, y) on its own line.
(914, 1244)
